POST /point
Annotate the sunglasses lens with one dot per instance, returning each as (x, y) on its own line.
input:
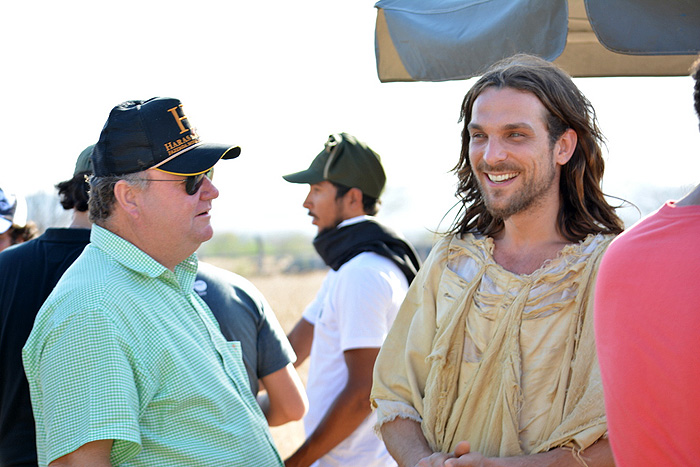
(194, 182)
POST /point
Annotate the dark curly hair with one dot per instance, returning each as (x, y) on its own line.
(74, 193)
(584, 209)
(23, 234)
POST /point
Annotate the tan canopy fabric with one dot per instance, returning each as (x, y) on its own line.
(439, 40)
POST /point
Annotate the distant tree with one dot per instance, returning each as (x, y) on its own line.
(229, 244)
(289, 243)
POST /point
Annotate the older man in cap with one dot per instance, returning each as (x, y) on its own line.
(30, 271)
(344, 327)
(126, 364)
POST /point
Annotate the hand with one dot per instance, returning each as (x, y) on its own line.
(441, 459)
(436, 459)
(463, 457)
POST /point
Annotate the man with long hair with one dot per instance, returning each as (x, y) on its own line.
(647, 324)
(491, 360)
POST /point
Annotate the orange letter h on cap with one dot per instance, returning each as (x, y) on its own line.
(179, 119)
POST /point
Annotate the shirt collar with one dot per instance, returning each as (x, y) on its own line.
(130, 256)
(354, 220)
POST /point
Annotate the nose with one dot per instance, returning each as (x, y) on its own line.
(494, 152)
(307, 201)
(208, 190)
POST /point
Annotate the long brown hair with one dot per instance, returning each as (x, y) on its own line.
(584, 209)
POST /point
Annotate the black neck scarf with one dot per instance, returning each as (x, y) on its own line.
(337, 246)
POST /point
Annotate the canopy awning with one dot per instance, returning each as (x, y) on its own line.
(439, 40)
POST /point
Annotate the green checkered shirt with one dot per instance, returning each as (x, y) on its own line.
(123, 349)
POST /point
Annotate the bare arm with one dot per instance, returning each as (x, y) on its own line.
(285, 398)
(94, 454)
(346, 413)
(405, 442)
(301, 338)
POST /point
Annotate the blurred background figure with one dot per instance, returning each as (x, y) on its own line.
(244, 315)
(30, 271)
(647, 323)
(342, 329)
(14, 227)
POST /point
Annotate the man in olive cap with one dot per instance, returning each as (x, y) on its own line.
(344, 327)
(126, 364)
(30, 271)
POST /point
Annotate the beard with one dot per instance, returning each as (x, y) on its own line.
(529, 195)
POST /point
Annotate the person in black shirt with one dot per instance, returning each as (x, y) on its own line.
(29, 273)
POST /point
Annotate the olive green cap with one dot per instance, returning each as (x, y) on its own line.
(345, 161)
(84, 163)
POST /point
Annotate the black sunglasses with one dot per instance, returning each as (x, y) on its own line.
(192, 183)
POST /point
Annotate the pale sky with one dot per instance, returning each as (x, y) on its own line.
(277, 78)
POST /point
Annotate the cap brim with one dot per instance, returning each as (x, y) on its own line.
(305, 176)
(199, 159)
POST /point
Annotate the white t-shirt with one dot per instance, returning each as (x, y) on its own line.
(354, 308)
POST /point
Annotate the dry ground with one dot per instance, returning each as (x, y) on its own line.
(288, 295)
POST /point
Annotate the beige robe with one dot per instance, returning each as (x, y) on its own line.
(504, 361)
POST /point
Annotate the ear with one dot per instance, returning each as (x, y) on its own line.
(565, 146)
(352, 203)
(355, 196)
(127, 197)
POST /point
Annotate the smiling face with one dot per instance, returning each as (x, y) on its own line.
(511, 157)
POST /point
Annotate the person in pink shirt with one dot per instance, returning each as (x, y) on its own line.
(647, 325)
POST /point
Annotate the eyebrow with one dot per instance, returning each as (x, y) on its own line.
(509, 126)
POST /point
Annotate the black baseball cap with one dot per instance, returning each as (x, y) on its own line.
(154, 133)
(347, 161)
